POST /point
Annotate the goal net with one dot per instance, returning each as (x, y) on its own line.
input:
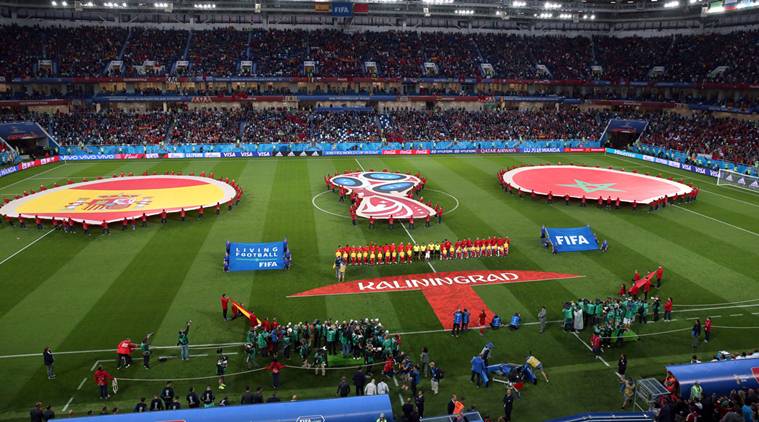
(738, 180)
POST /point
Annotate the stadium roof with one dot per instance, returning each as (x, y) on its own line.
(485, 14)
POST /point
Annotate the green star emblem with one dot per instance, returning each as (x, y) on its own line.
(593, 187)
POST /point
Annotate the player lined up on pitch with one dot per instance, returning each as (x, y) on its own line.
(404, 253)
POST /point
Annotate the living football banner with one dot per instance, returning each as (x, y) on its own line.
(572, 239)
(257, 256)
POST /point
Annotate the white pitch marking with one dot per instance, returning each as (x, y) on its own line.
(718, 220)
(590, 348)
(81, 384)
(412, 239)
(736, 314)
(359, 164)
(636, 162)
(31, 177)
(67, 404)
(25, 247)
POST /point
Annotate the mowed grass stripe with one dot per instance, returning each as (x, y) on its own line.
(110, 309)
(198, 295)
(288, 214)
(17, 277)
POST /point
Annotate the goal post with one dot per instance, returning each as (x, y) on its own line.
(738, 180)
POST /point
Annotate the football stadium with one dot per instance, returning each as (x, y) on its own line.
(379, 210)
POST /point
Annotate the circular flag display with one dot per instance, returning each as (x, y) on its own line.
(124, 197)
(591, 182)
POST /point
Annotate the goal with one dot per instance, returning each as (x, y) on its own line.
(738, 180)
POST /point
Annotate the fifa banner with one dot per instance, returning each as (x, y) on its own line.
(257, 256)
(572, 239)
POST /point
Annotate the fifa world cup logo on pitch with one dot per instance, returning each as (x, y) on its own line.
(384, 194)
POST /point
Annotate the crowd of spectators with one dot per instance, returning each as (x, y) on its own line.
(275, 126)
(740, 405)
(687, 58)
(216, 52)
(206, 126)
(723, 138)
(106, 128)
(460, 125)
(163, 47)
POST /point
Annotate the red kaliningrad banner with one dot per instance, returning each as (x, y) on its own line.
(445, 292)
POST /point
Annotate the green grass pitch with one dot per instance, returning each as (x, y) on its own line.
(85, 294)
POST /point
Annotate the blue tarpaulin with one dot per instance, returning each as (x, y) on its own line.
(257, 256)
(572, 239)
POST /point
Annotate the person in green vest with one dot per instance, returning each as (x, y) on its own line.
(696, 392)
(331, 340)
(304, 350)
(589, 312)
(145, 349)
(320, 361)
(606, 335)
(643, 312)
(344, 342)
(251, 336)
(250, 354)
(387, 347)
(629, 315)
(317, 333)
(568, 315)
(261, 342)
(285, 343)
(599, 311)
(183, 341)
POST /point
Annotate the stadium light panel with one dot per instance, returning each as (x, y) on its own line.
(551, 6)
(54, 3)
(519, 3)
(437, 1)
(426, 11)
(672, 4)
(64, 4)
(464, 12)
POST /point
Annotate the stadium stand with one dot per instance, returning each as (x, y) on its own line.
(684, 58)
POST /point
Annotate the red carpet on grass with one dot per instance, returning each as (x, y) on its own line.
(445, 292)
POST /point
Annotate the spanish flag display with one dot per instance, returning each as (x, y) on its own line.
(122, 197)
(244, 311)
